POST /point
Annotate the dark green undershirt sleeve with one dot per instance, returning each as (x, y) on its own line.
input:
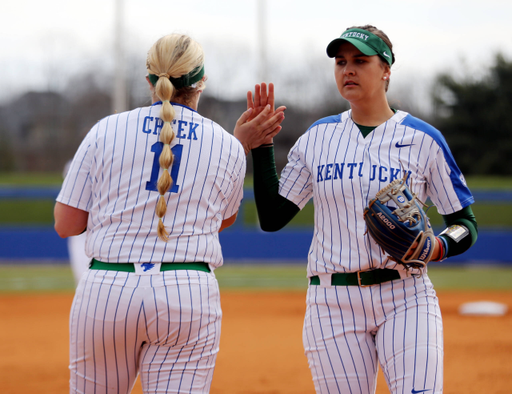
(274, 211)
(466, 218)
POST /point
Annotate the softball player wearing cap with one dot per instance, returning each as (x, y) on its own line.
(362, 307)
(154, 186)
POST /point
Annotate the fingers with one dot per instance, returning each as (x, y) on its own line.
(257, 96)
(271, 95)
(268, 124)
(264, 95)
(253, 133)
(262, 115)
(274, 121)
(282, 108)
(244, 117)
(274, 132)
(250, 102)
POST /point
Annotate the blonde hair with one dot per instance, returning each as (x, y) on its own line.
(172, 56)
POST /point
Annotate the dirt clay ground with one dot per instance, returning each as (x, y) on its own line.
(261, 346)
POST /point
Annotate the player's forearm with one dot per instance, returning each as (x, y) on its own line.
(461, 232)
(274, 211)
(228, 222)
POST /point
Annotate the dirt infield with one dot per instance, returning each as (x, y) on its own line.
(261, 345)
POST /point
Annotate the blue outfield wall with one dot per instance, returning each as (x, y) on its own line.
(238, 245)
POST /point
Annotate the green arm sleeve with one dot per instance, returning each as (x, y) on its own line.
(274, 211)
(466, 218)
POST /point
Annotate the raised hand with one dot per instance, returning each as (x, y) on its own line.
(261, 122)
(262, 98)
(260, 130)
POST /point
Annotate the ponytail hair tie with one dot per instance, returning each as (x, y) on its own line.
(189, 79)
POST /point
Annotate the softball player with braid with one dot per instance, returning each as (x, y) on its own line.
(362, 307)
(153, 186)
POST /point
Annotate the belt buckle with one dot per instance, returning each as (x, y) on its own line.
(359, 278)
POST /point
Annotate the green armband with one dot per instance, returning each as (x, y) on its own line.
(461, 232)
(274, 211)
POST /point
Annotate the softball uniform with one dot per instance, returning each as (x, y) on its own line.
(147, 306)
(362, 308)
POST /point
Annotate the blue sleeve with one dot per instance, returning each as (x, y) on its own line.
(459, 183)
(328, 119)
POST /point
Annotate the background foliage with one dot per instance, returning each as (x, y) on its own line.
(40, 131)
(475, 116)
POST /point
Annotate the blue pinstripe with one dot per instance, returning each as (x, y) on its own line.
(195, 344)
(165, 325)
(377, 325)
(365, 362)
(126, 208)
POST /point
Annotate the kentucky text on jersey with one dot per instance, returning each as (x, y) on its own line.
(333, 171)
(185, 129)
(355, 34)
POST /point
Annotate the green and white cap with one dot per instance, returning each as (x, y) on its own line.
(368, 43)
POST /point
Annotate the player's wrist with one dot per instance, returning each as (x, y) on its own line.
(442, 248)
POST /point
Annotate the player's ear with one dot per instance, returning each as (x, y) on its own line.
(387, 72)
(149, 82)
(151, 89)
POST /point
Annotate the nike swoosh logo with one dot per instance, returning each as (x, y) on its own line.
(385, 54)
(403, 146)
(418, 391)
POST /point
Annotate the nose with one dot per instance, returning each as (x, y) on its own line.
(348, 70)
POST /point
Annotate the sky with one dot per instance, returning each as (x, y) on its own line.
(44, 43)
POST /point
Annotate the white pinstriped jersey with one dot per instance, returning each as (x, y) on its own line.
(333, 163)
(113, 177)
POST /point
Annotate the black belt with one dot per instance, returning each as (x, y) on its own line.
(360, 278)
(130, 267)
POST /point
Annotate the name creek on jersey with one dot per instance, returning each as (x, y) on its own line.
(184, 129)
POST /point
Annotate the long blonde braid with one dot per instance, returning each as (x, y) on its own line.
(172, 56)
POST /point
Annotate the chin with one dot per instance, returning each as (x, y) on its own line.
(350, 96)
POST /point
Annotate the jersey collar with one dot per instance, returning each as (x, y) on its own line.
(173, 103)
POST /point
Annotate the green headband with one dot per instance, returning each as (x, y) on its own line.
(368, 43)
(185, 80)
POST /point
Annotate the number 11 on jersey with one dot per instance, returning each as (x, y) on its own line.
(157, 147)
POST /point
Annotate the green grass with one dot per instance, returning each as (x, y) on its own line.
(52, 179)
(271, 277)
(30, 179)
(489, 182)
(35, 278)
(16, 279)
(41, 211)
(487, 215)
(26, 211)
(471, 277)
